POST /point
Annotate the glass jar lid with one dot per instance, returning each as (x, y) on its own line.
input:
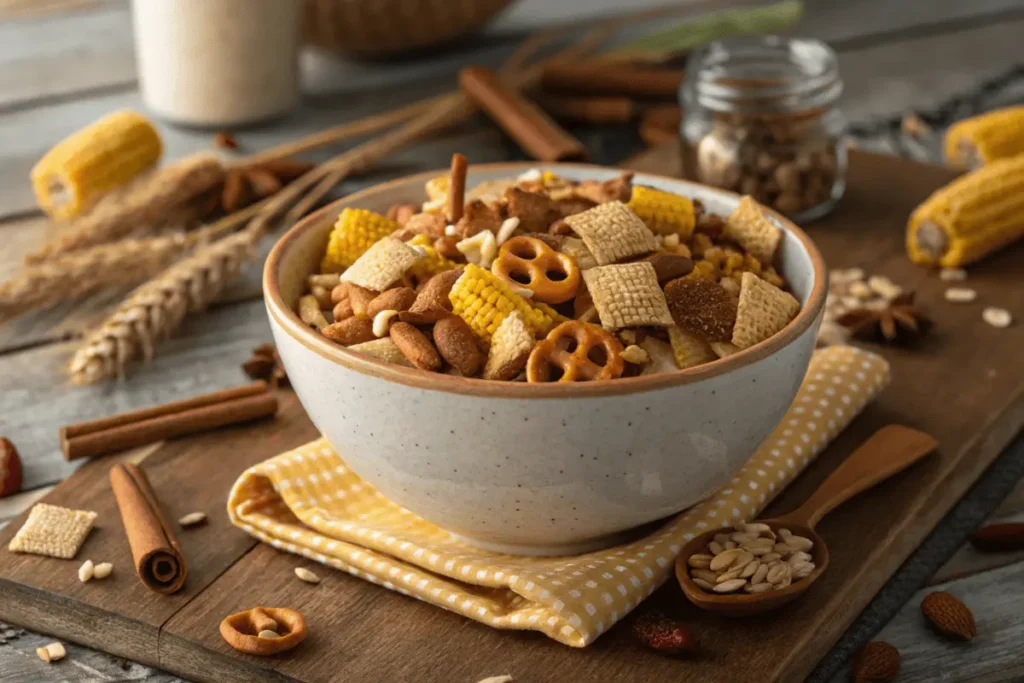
(762, 74)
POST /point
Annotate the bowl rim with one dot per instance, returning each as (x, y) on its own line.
(290, 323)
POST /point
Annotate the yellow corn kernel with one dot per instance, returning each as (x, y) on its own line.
(431, 264)
(733, 261)
(751, 264)
(970, 217)
(103, 155)
(705, 269)
(699, 244)
(356, 231)
(483, 300)
(771, 276)
(663, 212)
(983, 139)
(715, 255)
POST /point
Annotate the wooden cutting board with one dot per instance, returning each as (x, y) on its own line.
(963, 385)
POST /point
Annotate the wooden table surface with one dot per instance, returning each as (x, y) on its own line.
(63, 63)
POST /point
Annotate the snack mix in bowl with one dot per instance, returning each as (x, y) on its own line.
(542, 279)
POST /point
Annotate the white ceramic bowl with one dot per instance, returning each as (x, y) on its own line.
(540, 469)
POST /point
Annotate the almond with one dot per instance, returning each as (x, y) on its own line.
(998, 538)
(397, 299)
(10, 468)
(457, 344)
(415, 346)
(350, 331)
(949, 616)
(878, 662)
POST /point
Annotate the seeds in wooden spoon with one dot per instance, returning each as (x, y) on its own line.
(724, 559)
(760, 560)
(730, 586)
(758, 587)
(306, 575)
(699, 561)
(192, 519)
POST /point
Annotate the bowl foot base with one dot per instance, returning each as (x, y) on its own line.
(555, 549)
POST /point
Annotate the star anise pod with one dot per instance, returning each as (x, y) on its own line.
(266, 365)
(897, 323)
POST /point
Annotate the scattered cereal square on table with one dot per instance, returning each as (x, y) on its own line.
(750, 228)
(382, 265)
(763, 310)
(53, 531)
(612, 232)
(627, 295)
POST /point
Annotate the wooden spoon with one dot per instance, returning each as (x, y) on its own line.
(889, 450)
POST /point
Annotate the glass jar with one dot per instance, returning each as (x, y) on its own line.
(760, 118)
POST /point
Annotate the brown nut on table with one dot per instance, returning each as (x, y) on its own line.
(240, 630)
(576, 352)
(530, 263)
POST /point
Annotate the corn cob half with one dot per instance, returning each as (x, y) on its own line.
(484, 300)
(986, 138)
(970, 217)
(356, 231)
(100, 157)
(664, 213)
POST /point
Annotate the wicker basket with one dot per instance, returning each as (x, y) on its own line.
(376, 28)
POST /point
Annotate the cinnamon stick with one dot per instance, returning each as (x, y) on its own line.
(140, 427)
(589, 109)
(524, 121)
(156, 552)
(457, 187)
(610, 79)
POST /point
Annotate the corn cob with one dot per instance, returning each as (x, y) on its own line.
(983, 139)
(972, 216)
(164, 196)
(356, 231)
(483, 300)
(663, 212)
(104, 155)
(432, 263)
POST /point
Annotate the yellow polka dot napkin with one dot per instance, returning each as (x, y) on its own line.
(309, 503)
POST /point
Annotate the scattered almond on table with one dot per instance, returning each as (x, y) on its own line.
(878, 662)
(949, 616)
(751, 558)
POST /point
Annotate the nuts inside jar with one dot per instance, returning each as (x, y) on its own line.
(789, 162)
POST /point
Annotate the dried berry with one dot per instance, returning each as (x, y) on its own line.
(265, 364)
(664, 634)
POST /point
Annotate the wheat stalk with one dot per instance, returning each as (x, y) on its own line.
(157, 308)
(77, 274)
(156, 198)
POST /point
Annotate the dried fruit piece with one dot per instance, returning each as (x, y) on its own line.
(878, 662)
(702, 308)
(949, 616)
(663, 634)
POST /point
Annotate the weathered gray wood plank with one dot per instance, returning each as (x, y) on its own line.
(19, 663)
(995, 597)
(205, 356)
(64, 54)
(968, 561)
